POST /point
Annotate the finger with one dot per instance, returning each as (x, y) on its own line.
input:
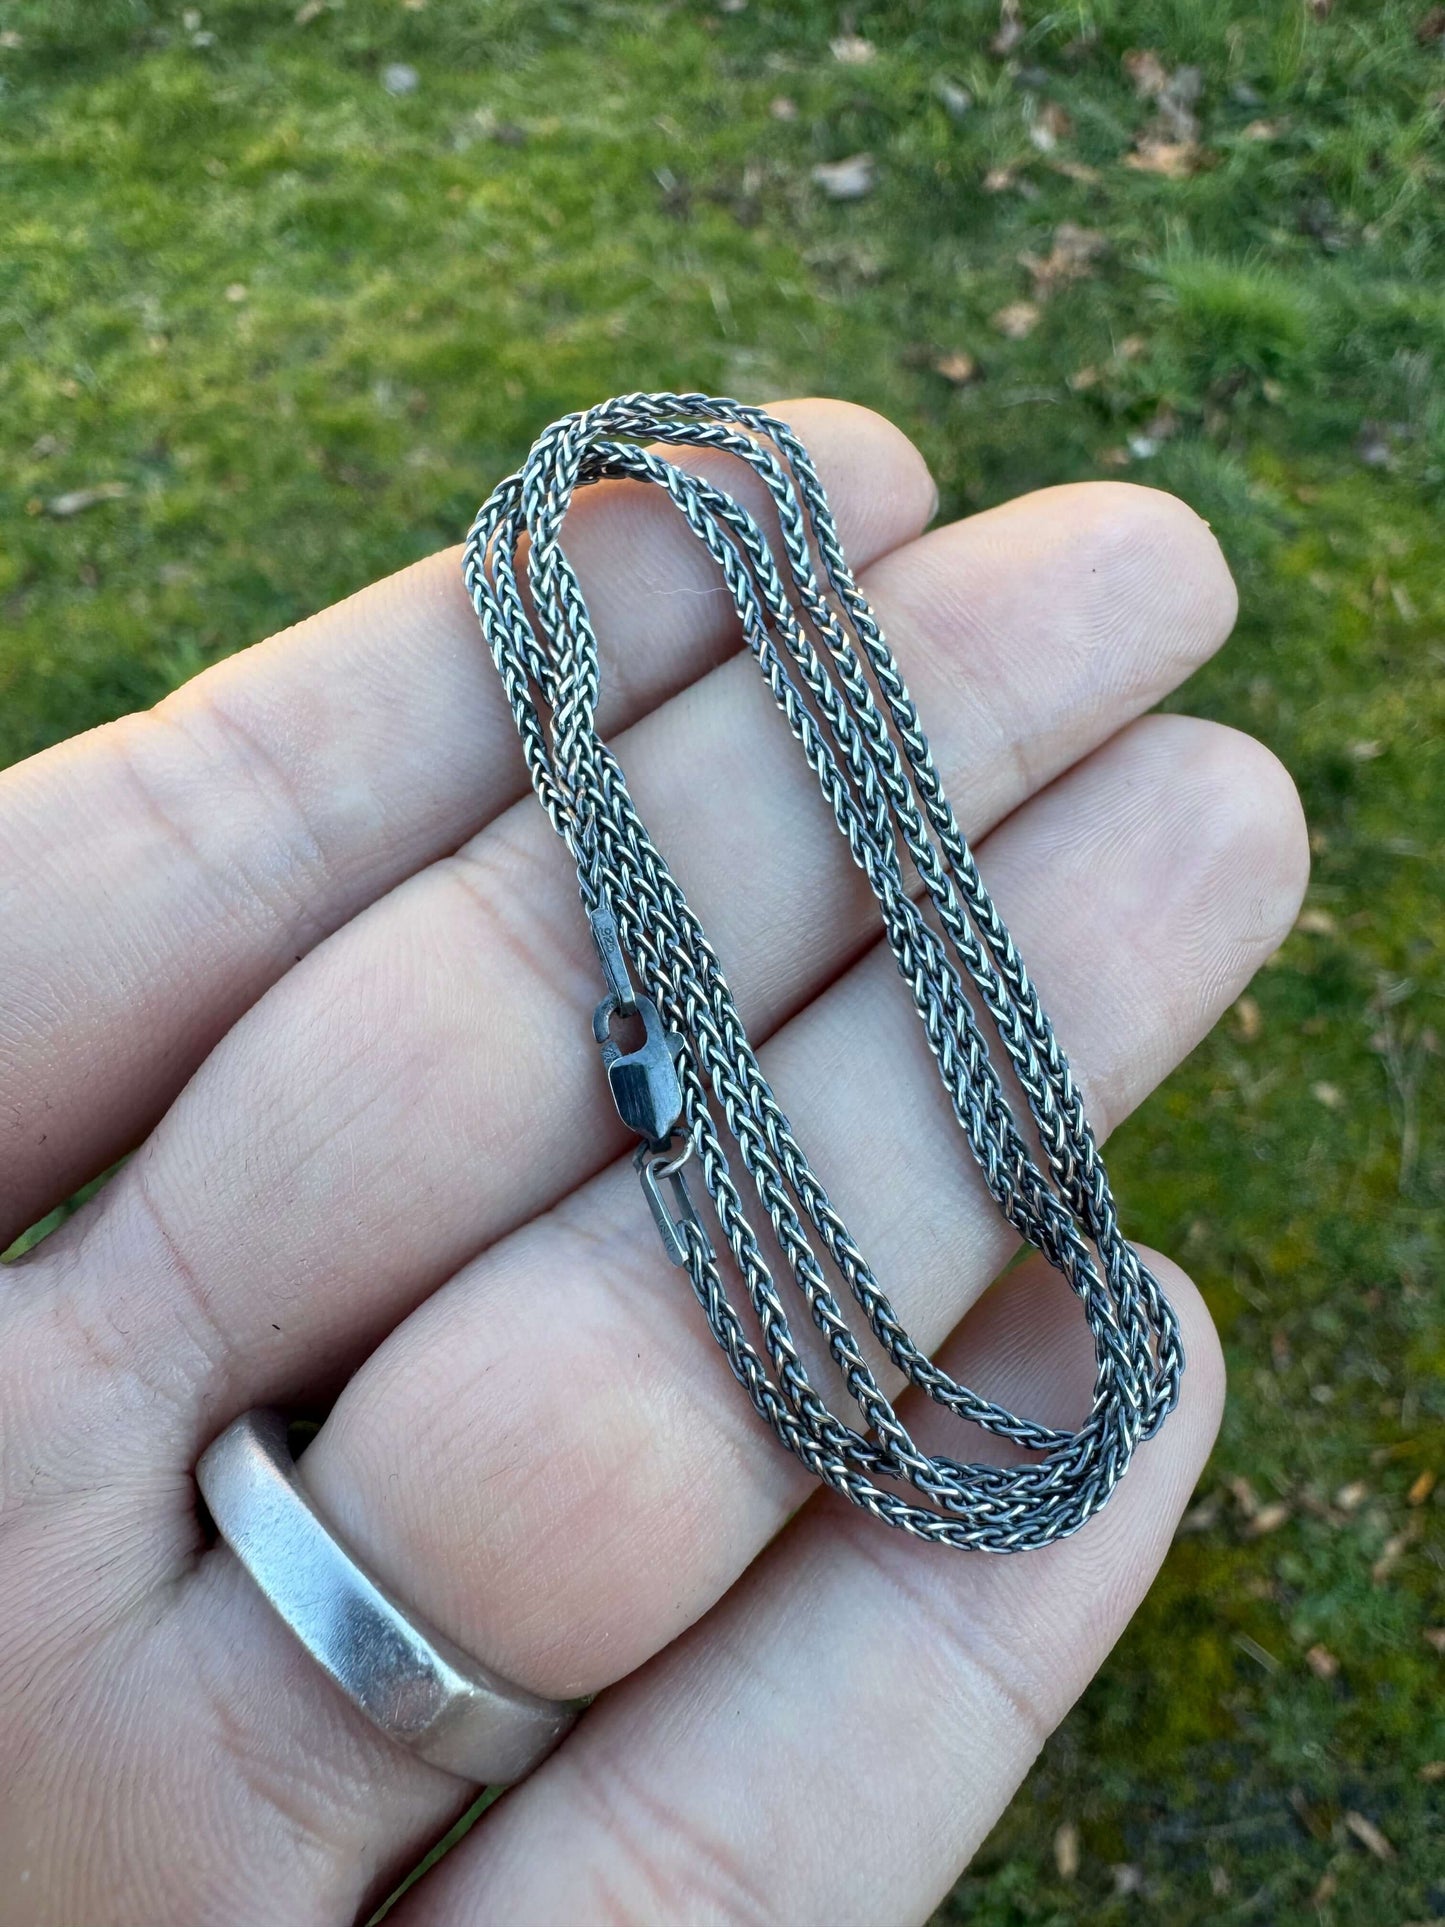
(551, 1460)
(428, 1079)
(160, 872)
(836, 1740)
(1144, 889)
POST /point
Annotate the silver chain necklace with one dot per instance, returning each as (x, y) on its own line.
(694, 1076)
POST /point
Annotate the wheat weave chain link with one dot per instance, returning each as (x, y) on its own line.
(695, 1077)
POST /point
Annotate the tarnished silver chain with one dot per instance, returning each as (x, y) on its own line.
(694, 1074)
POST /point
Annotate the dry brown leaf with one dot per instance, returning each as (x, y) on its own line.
(1017, 321)
(1082, 380)
(1325, 1891)
(1322, 1662)
(1268, 1519)
(852, 50)
(1330, 1095)
(1369, 1835)
(1147, 71)
(1351, 1497)
(782, 108)
(1394, 1549)
(960, 368)
(1161, 426)
(1309, 1817)
(1010, 30)
(1316, 922)
(1174, 160)
(1245, 1496)
(1422, 1488)
(1170, 144)
(1432, 1773)
(1049, 126)
(1263, 130)
(847, 180)
(79, 499)
(1201, 1517)
(997, 180)
(1079, 171)
(1066, 1851)
(1247, 1019)
(1071, 257)
(1435, 1638)
(1431, 27)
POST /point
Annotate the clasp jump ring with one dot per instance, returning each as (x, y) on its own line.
(655, 1168)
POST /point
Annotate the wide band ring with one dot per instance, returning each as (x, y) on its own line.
(410, 1681)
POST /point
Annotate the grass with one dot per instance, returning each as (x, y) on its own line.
(304, 321)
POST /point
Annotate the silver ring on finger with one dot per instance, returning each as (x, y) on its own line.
(412, 1682)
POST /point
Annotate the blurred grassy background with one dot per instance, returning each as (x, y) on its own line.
(285, 288)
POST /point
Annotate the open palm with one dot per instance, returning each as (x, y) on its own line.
(300, 936)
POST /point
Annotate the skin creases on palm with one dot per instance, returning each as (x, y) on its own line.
(301, 942)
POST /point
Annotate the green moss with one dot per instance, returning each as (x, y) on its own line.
(418, 295)
(1235, 319)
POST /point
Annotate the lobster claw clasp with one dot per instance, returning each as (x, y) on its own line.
(644, 1082)
(647, 1091)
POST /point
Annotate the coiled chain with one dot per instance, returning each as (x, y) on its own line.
(695, 1076)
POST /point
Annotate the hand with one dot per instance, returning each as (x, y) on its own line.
(299, 939)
